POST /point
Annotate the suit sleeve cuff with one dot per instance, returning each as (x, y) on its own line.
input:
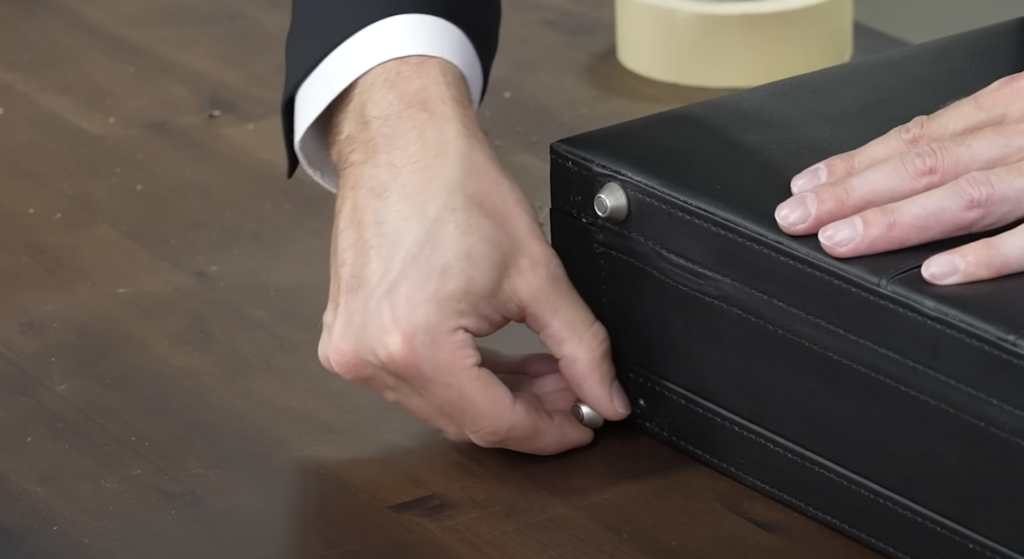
(387, 39)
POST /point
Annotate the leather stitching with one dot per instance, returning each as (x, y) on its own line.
(900, 358)
(765, 487)
(776, 492)
(918, 318)
(815, 347)
(835, 281)
(833, 327)
(884, 302)
(801, 461)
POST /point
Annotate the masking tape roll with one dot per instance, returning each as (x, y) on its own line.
(731, 43)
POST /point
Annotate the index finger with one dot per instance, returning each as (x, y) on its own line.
(566, 326)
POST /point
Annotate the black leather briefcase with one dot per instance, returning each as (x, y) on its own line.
(850, 390)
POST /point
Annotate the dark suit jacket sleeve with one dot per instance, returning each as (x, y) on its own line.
(320, 26)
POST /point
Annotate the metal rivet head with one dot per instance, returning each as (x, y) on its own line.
(587, 416)
(611, 203)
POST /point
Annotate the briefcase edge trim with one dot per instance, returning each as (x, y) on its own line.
(632, 380)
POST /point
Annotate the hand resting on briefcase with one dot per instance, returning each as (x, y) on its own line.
(834, 379)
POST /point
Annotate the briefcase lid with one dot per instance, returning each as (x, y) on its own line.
(734, 156)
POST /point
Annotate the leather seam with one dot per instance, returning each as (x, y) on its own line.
(897, 273)
(813, 511)
(602, 284)
(565, 157)
(815, 347)
(888, 353)
(791, 456)
(918, 318)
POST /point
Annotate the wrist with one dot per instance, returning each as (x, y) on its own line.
(404, 104)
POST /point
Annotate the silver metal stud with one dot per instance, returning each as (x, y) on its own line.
(587, 415)
(611, 203)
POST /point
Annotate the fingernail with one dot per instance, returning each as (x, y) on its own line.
(796, 211)
(808, 179)
(942, 268)
(619, 398)
(841, 233)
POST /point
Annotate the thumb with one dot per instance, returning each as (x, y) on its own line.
(566, 326)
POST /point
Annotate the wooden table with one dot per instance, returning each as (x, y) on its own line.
(161, 285)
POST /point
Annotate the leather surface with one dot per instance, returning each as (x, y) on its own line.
(906, 398)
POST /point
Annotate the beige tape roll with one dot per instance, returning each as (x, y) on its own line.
(731, 43)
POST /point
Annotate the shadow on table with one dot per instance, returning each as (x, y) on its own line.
(440, 501)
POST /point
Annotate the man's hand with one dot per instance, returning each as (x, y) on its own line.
(958, 171)
(435, 245)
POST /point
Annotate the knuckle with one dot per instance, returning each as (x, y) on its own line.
(975, 191)
(887, 223)
(323, 349)
(454, 435)
(598, 340)
(990, 258)
(594, 342)
(338, 353)
(845, 165)
(1013, 85)
(396, 351)
(548, 267)
(391, 395)
(1014, 129)
(490, 437)
(345, 361)
(994, 100)
(838, 165)
(925, 164)
(539, 270)
(914, 134)
(324, 355)
(842, 195)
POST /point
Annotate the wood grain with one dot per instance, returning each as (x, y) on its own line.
(161, 285)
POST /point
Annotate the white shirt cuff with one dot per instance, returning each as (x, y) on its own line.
(387, 39)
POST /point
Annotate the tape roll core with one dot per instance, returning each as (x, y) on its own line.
(731, 44)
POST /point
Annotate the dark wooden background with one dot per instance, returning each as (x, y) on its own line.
(161, 285)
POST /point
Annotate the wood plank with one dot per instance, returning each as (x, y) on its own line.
(161, 286)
